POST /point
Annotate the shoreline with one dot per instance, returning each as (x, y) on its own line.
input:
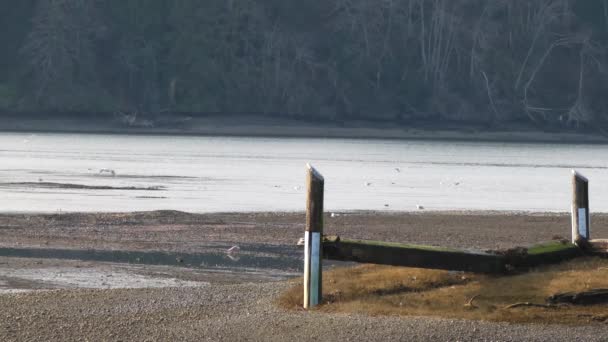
(239, 126)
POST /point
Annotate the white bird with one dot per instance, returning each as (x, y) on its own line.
(334, 215)
(300, 242)
(297, 188)
(397, 169)
(107, 171)
(368, 183)
(233, 249)
(419, 207)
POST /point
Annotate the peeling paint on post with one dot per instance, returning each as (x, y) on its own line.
(580, 209)
(312, 239)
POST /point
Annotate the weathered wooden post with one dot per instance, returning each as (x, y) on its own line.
(580, 209)
(312, 238)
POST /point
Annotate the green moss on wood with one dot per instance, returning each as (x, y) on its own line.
(551, 247)
(405, 246)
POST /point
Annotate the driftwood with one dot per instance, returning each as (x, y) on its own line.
(594, 296)
(528, 304)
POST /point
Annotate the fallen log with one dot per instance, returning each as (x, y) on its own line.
(591, 297)
(409, 255)
(397, 254)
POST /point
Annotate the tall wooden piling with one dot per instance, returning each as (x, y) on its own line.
(312, 238)
(580, 209)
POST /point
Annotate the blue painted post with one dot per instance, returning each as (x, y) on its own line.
(313, 252)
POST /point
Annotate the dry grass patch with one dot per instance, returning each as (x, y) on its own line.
(386, 290)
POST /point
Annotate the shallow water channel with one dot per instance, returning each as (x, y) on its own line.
(271, 258)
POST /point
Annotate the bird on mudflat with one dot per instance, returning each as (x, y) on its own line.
(107, 172)
(233, 249)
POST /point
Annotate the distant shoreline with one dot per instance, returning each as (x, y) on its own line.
(244, 126)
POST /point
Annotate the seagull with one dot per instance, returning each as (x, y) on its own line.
(419, 207)
(397, 169)
(368, 183)
(333, 215)
(233, 249)
(107, 171)
(300, 242)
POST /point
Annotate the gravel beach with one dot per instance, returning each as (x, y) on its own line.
(193, 305)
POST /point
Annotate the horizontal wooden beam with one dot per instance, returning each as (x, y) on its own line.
(397, 254)
(374, 252)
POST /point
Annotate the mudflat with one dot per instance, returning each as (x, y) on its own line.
(180, 231)
(185, 303)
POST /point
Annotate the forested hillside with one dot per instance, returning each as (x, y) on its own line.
(537, 62)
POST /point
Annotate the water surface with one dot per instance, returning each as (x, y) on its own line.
(98, 172)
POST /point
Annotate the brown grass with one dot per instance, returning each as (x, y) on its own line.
(385, 290)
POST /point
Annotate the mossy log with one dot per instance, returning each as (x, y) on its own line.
(395, 254)
(408, 255)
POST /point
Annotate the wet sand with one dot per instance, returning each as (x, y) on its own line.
(155, 302)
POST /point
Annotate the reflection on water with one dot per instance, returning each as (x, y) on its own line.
(78, 172)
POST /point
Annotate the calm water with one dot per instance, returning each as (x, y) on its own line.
(53, 172)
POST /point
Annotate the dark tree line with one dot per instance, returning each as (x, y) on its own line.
(541, 62)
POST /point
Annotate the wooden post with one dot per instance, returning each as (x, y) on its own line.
(312, 238)
(580, 209)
